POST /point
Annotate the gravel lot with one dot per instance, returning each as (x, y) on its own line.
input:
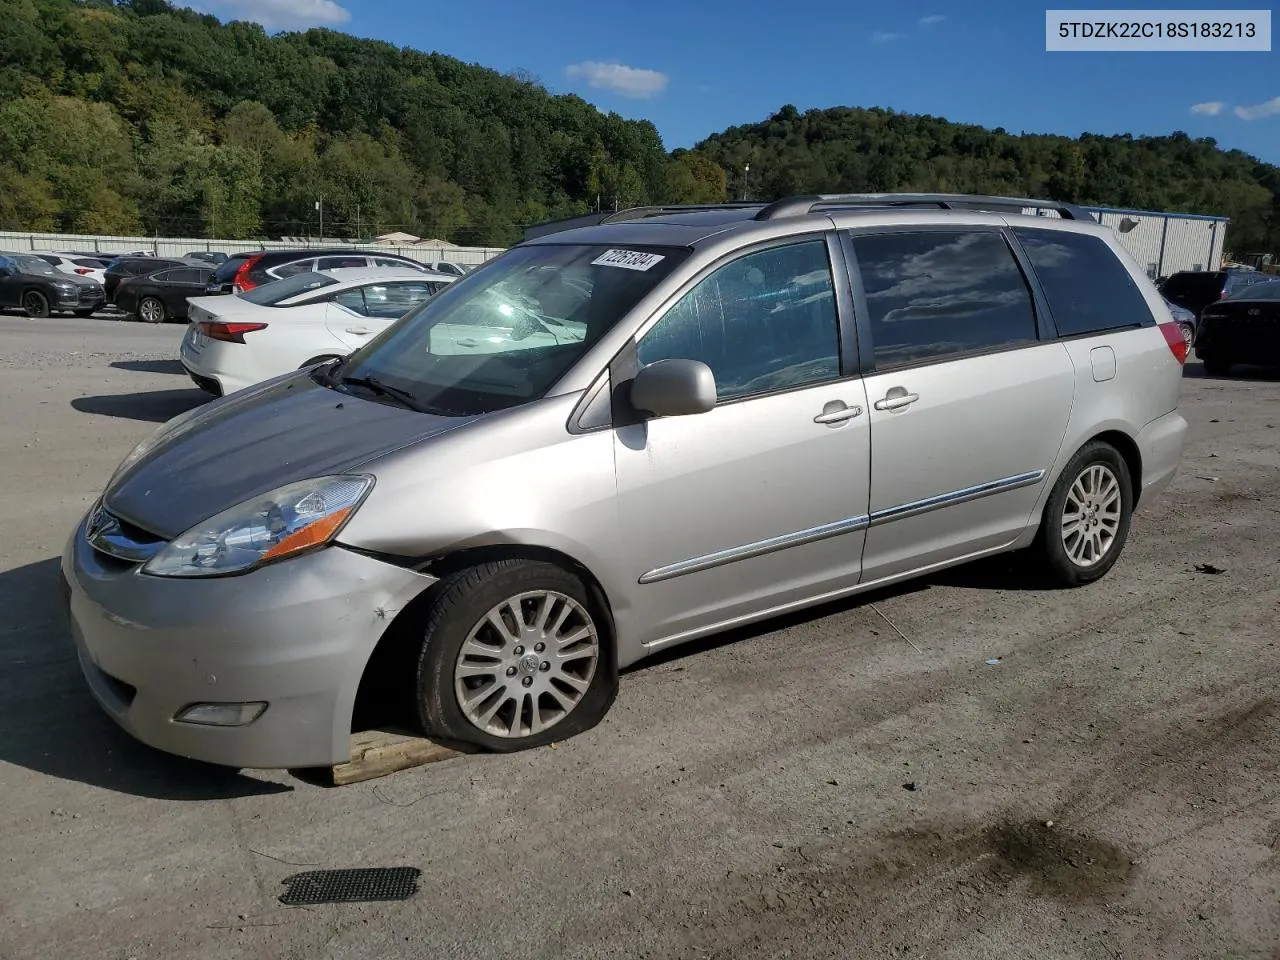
(746, 797)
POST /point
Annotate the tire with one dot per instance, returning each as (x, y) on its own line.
(35, 303)
(1216, 366)
(152, 310)
(1064, 556)
(459, 616)
(1188, 331)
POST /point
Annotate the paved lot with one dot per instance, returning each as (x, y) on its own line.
(745, 797)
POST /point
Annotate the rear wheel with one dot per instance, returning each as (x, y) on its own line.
(35, 303)
(1188, 331)
(516, 654)
(1216, 366)
(151, 310)
(1086, 519)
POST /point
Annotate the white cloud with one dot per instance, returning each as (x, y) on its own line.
(279, 14)
(634, 82)
(1257, 111)
(1210, 108)
(932, 20)
(884, 36)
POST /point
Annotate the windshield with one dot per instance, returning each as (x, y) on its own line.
(1267, 290)
(34, 265)
(505, 334)
(271, 294)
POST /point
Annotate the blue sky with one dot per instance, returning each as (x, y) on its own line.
(698, 66)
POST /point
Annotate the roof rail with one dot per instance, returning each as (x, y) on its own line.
(627, 213)
(801, 205)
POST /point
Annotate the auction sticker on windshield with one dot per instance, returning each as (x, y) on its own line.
(627, 259)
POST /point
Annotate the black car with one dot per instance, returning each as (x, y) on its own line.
(1196, 289)
(40, 289)
(1243, 328)
(132, 266)
(244, 271)
(162, 294)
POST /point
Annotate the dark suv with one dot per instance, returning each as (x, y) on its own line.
(39, 288)
(244, 271)
(1196, 289)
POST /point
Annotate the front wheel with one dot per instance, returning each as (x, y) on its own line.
(151, 310)
(1086, 519)
(35, 303)
(516, 654)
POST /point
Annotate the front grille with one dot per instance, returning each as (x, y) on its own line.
(120, 693)
(91, 294)
(120, 539)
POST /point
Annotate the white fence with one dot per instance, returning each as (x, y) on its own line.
(177, 247)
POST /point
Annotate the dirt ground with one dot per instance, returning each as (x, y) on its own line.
(815, 787)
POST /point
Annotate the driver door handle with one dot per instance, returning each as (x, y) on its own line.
(837, 412)
(359, 331)
(896, 399)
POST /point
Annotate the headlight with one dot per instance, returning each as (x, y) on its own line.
(287, 521)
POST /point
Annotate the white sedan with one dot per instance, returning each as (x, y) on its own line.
(235, 341)
(76, 265)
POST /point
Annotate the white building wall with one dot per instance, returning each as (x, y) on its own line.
(1143, 241)
(1193, 245)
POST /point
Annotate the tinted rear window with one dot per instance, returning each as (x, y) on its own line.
(226, 272)
(1088, 288)
(1199, 285)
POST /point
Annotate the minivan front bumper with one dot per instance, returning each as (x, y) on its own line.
(294, 635)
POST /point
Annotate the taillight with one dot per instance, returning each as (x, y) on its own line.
(83, 270)
(241, 281)
(228, 332)
(1177, 342)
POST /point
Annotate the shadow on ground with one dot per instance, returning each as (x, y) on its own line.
(51, 724)
(156, 406)
(151, 366)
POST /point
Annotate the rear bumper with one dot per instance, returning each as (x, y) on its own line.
(210, 370)
(295, 635)
(1160, 445)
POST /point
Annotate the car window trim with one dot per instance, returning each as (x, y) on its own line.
(822, 234)
(1046, 332)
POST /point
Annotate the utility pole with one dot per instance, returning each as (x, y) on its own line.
(359, 234)
(320, 207)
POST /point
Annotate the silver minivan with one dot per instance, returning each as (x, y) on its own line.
(617, 437)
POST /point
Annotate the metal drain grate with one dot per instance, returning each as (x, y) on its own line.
(355, 885)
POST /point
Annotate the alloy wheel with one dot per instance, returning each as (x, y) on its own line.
(526, 664)
(1091, 515)
(150, 310)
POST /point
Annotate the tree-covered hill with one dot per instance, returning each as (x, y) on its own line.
(136, 116)
(857, 150)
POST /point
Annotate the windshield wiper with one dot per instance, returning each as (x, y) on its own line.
(375, 385)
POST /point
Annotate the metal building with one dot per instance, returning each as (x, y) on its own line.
(1165, 243)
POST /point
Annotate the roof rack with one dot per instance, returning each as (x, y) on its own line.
(628, 213)
(801, 205)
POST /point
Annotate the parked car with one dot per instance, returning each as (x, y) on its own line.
(448, 266)
(80, 266)
(1243, 328)
(1195, 290)
(162, 294)
(244, 271)
(305, 319)
(133, 266)
(1185, 319)
(41, 289)
(216, 257)
(615, 439)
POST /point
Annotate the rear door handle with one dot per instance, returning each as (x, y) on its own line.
(896, 399)
(836, 411)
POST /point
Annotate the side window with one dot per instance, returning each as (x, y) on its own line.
(391, 301)
(353, 300)
(165, 276)
(1088, 288)
(289, 269)
(764, 322)
(337, 263)
(182, 276)
(402, 264)
(939, 294)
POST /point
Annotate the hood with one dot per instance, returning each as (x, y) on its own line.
(253, 441)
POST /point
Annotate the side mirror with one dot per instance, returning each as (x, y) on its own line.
(674, 388)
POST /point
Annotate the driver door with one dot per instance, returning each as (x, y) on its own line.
(761, 502)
